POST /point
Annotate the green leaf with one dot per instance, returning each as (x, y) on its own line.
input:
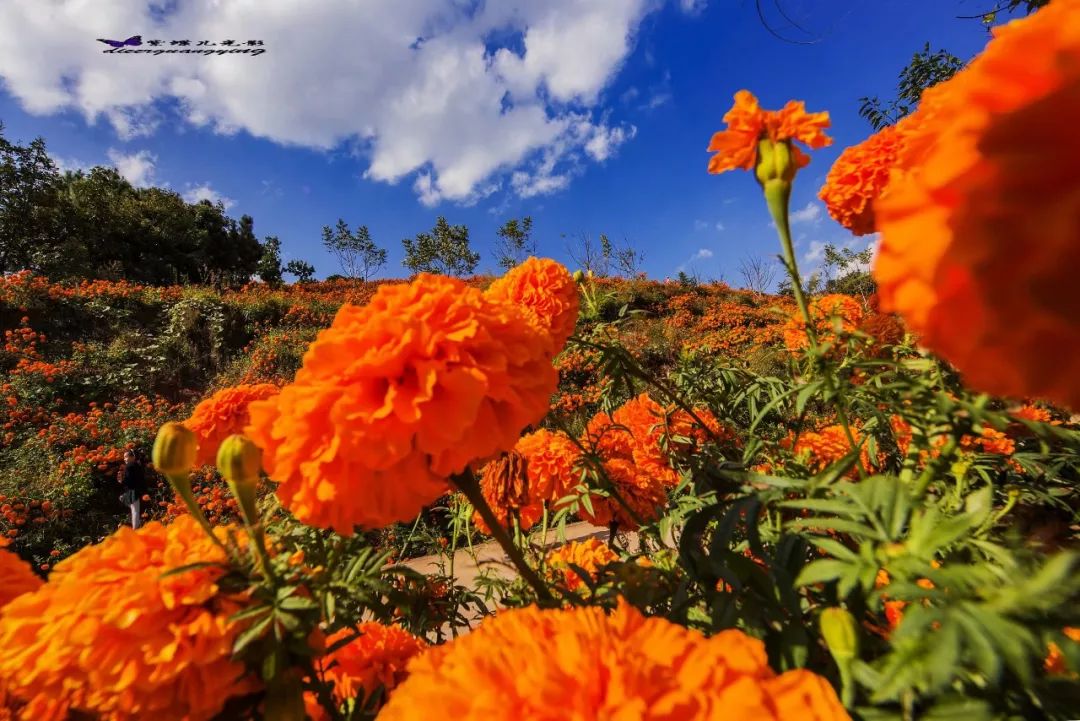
(298, 603)
(834, 548)
(249, 636)
(822, 571)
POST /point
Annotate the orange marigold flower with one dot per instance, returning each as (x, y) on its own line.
(377, 658)
(546, 291)
(1032, 413)
(822, 448)
(589, 555)
(859, 177)
(398, 395)
(223, 414)
(111, 636)
(737, 147)
(828, 312)
(540, 469)
(990, 441)
(1055, 659)
(16, 576)
(979, 240)
(579, 663)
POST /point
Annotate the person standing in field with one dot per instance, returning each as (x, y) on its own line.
(133, 477)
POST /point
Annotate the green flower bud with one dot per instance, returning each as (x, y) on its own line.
(578, 276)
(841, 634)
(174, 449)
(239, 460)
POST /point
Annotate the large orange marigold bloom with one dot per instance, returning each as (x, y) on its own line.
(589, 555)
(980, 239)
(546, 291)
(223, 414)
(737, 147)
(377, 658)
(579, 663)
(858, 178)
(111, 636)
(16, 576)
(822, 448)
(396, 396)
(827, 311)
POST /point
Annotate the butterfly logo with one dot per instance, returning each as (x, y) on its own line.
(133, 40)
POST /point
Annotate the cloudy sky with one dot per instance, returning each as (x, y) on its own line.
(589, 115)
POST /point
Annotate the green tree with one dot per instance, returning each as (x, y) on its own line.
(29, 194)
(269, 269)
(925, 70)
(304, 271)
(515, 243)
(847, 271)
(356, 253)
(444, 250)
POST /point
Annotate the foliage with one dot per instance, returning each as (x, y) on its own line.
(269, 269)
(445, 250)
(925, 70)
(356, 253)
(515, 242)
(304, 271)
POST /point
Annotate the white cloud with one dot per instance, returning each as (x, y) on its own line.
(816, 252)
(701, 224)
(693, 7)
(702, 254)
(65, 165)
(195, 193)
(706, 224)
(811, 213)
(414, 83)
(719, 227)
(138, 167)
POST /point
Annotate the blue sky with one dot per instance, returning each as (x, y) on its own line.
(592, 116)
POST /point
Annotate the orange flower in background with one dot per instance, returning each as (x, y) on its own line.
(737, 146)
(822, 448)
(644, 497)
(504, 484)
(377, 658)
(223, 414)
(827, 312)
(398, 395)
(979, 240)
(1055, 660)
(546, 291)
(859, 177)
(16, 576)
(111, 636)
(551, 458)
(589, 555)
(579, 663)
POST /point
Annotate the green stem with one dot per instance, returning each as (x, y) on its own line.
(466, 482)
(182, 485)
(777, 197)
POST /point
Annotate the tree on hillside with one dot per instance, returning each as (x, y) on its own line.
(588, 254)
(445, 250)
(304, 271)
(848, 271)
(757, 273)
(356, 253)
(269, 269)
(29, 191)
(515, 243)
(628, 259)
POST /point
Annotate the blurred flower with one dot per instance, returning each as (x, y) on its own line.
(16, 576)
(223, 414)
(859, 177)
(580, 663)
(979, 239)
(377, 658)
(110, 635)
(829, 313)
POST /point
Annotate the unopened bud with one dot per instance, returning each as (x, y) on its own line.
(841, 634)
(776, 161)
(239, 460)
(578, 276)
(174, 449)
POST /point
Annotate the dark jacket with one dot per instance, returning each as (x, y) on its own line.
(134, 477)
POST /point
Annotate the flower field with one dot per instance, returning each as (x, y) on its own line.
(842, 507)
